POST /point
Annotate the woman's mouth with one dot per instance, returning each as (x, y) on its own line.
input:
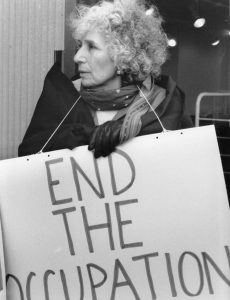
(83, 73)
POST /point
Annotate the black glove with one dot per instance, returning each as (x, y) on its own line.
(82, 134)
(105, 138)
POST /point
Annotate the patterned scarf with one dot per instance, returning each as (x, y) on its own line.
(100, 99)
(132, 122)
(129, 103)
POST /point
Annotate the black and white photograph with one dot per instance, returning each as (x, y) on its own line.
(114, 149)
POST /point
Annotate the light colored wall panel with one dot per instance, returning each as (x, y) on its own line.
(70, 44)
(30, 32)
(60, 29)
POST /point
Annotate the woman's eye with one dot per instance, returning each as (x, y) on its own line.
(91, 46)
(78, 45)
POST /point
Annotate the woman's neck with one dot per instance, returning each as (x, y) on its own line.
(112, 84)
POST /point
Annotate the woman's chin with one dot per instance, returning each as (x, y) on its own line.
(89, 84)
(86, 83)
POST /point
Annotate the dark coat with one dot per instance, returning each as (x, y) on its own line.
(59, 94)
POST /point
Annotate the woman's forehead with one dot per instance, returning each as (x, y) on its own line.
(93, 34)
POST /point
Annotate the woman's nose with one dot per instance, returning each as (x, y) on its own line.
(79, 56)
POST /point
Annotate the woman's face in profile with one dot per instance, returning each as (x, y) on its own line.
(95, 66)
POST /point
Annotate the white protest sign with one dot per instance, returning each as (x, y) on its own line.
(150, 222)
(2, 268)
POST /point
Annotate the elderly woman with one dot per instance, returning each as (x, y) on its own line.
(121, 48)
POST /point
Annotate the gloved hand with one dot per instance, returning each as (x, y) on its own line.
(82, 133)
(105, 138)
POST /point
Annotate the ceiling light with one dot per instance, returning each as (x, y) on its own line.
(225, 32)
(216, 42)
(149, 11)
(199, 22)
(172, 43)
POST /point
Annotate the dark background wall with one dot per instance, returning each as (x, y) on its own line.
(197, 66)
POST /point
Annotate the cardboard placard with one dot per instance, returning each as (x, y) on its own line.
(151, 221)
(2, 268)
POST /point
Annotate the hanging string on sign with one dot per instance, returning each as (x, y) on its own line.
(41, 151)
(143, 95)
